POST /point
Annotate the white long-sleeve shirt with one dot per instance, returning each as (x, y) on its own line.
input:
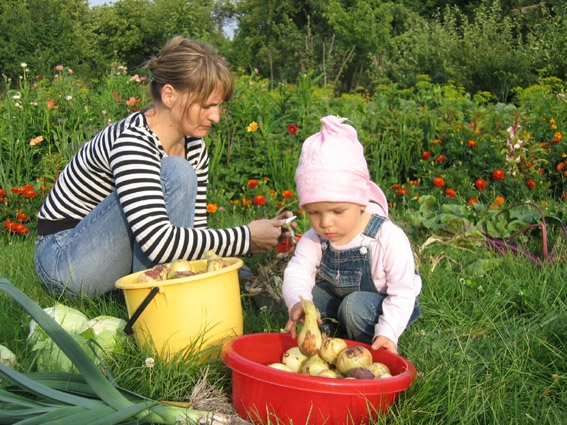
(393, 270)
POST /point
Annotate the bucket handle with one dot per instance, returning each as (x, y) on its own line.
(140, 310)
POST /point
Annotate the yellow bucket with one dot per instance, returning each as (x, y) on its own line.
(203, 310)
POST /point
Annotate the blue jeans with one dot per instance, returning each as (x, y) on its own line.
(90, 258)
(357, 313)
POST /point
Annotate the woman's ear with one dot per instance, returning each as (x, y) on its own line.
(168, 95)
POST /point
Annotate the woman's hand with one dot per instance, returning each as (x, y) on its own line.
(265, 234)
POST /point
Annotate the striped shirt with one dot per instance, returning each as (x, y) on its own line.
(126, 157)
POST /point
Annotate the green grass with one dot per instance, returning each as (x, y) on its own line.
(489, 348)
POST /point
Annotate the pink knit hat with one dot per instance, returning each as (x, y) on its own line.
(332, 168)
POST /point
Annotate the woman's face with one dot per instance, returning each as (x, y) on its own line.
(339, 222)
(196, 120)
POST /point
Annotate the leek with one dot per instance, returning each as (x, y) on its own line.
(87, 398)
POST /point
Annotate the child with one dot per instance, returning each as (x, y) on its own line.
(367, 277)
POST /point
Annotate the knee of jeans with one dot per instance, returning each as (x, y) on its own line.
(177, 174)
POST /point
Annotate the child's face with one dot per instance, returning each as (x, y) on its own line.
(339, 222)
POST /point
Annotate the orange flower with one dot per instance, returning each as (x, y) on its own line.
(51, 104)
(531, 184)
(477, 131)
(252, 183)
(212, 208)
(396, 186)
(480, 184)
(450, 192)
(559, 167)
(426, 155)
(402, 192)
(436, 142)
(259, 200)
(498, 175)
(438, 182)
(499, 200)
(471, 143)
(287, 194)
(414, 183)
(441, 158)
(473, 201)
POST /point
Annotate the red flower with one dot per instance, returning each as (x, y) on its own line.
(471, 143)
(287, 194)
(480, 184)
(292, 129)
(414, 183)
(22, 217)
(29, 193)
(450, 192)
(402, 192)
(438, 182)
(426, 155)
(472, 201)
(252, 183)
(441, 158)
(259, 200)
(531, 184)
(2, 193)
(498, 175)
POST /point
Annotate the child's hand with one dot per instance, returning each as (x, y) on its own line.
(383, 342)
(295, 316)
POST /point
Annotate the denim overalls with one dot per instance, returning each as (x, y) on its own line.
(346, 272)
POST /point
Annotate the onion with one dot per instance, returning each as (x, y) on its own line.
(360, 373)
(328, 373)
(330, 349)
(180, 268)
(353, 357)
(314, 365)
(294, 359)
(279, 366)
(379, 369)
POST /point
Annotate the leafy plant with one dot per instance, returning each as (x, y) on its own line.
(88, 398)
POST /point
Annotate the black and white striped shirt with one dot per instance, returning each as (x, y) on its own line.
(126, 157)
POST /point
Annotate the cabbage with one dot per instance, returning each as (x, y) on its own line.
(106, 331)
(70, 319)
(7, 358)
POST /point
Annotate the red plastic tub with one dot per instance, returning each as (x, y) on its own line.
(266, 395)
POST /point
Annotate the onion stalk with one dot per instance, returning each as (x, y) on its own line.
(87, 398)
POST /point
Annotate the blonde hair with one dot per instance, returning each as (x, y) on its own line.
(191, 67)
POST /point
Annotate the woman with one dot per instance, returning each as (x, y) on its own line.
(135, 194)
